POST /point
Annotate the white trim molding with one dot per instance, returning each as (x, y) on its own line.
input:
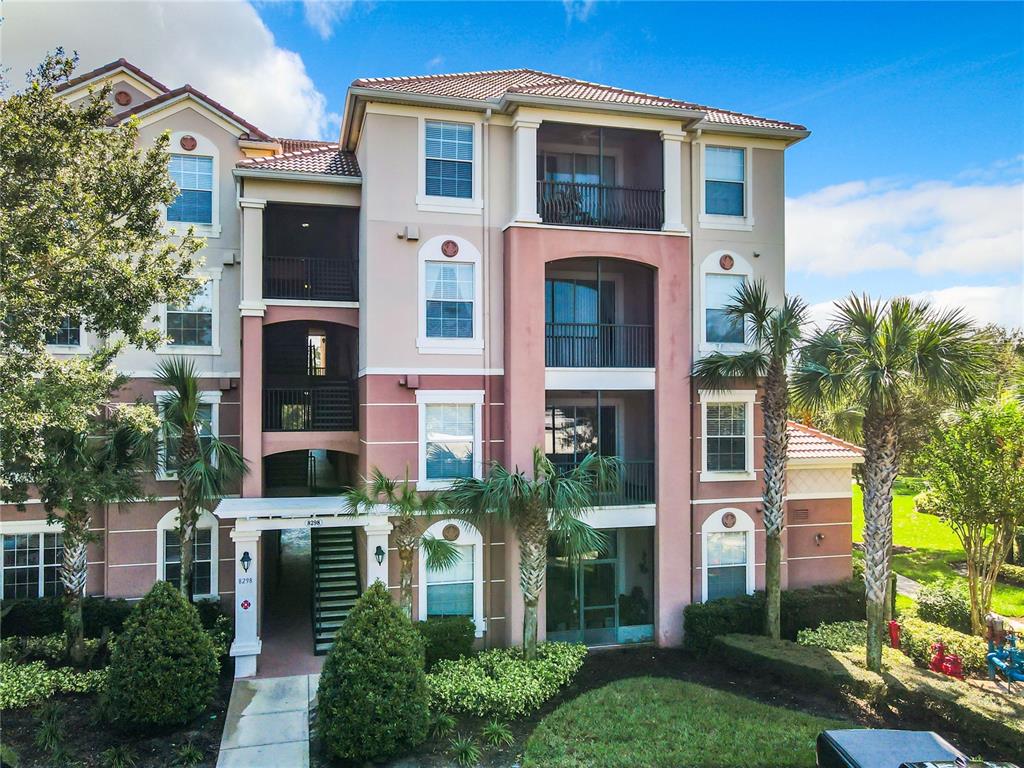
(744, 223)
(169, 522)
(211, 276)
(438, 203)
(430, 252)
(745, 396)
(715, 524)
(204, 148)
(425, 397)
(599, 378)
(468, 536)
(711, 265)
(81, 348)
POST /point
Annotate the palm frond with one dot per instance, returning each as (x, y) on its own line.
(576, 538)
(439, 554)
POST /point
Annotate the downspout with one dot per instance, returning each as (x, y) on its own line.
(485, 269)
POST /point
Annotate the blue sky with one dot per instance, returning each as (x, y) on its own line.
(910, 183)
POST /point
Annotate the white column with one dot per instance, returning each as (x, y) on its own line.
(526, 170)
(252, 256)
(672, 150)
(247, 644)
(377, 533)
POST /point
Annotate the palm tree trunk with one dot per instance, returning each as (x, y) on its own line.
(73, 574)
(405, 557)
(776, 441)
(188, 506)
(533, 551)
(880, 468)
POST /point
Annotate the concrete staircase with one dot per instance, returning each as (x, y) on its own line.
(335, 582)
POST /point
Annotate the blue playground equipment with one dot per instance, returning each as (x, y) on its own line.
(1004, 658)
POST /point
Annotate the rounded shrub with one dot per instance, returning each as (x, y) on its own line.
(446, 638)
(163, 670)
(945, 603)
(373, 690)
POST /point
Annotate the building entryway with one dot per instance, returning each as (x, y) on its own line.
(287, 619)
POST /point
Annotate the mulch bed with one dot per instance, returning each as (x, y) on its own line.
(87, 736)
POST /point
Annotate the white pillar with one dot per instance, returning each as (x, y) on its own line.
(526, 170)
(377, 533)
(672, 150)
(247, 644)
(252, 256)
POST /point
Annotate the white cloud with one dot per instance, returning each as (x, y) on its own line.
(999, 304)
(435, 63)
(931, 227)
(322, 15)
(578, 10)
(222, 48)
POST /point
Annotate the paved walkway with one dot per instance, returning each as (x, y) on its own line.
(267, 724)
(908, 587)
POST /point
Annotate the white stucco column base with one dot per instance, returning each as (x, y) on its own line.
(672, 151)
(526, 170)
(247, 644)
(377, 533)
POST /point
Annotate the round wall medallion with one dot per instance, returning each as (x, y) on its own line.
(726, 262)
(450, 248)
(123, 98)
(450, 532)
(729, 519)
(188, 143)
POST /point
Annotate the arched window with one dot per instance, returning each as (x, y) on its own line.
(205, 555)
(450, 297)
(455, 591)
(727, 554)
(194, 166)
(721, 275)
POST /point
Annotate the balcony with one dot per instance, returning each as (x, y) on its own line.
(598, 205)
(310, 253)
(636, 484)
(598, 345)
(316, 408)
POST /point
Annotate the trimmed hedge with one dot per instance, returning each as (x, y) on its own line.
(801, 609)
(917, 636)
(994, 719)
(446, 638)
(945, 603)
(25, 685)
(36, 617)
(839, 636)
(1012, 574)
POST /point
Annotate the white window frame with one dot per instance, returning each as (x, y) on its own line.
(468, 253)
(744, 524)
(169, 522)
(448, 397)
(32, 528)
(468, 535)
(437, 203)
(71, 349)
(711, 265)
(708, 397)
(211, 275)
(207, 396)
(204, 148)
(744, 223)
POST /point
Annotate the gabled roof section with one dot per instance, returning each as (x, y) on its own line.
(807, 443)
(497, 86)
(293, 145)
(326, 159)
(187, 91)
(110, 69)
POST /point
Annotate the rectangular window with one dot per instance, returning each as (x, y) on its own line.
(191, 325)
(449, 295)
(31, 565)
(170, 457)
(449, 159)
(719, 328)
(449, 440)
(724, 180)
(727, 564)
(67, 334)
(202, 560)
(194, 177)
(450, 590)
(726, 438)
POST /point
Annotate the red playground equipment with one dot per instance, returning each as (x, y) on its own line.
(946, 663)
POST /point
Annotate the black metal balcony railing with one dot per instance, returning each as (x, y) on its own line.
(599, 205)
(636, 484)
(312, 278)
(598, 345)
(319, 407)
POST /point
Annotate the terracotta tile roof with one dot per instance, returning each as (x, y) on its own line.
(292, 145)
(496, 84)
(809, 443)
(326, 159)
(85, 77)
(253, 131)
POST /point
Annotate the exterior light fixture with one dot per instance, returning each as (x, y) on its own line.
(246, 561)
(378, 555)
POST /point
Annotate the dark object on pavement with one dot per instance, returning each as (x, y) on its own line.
(870, 748)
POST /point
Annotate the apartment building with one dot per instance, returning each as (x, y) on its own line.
(484, 263)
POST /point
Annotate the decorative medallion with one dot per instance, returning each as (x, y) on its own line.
(450, 532)
(188, 143)
(123, 98)
(450, 248)
(246, 605)
(726, 262)
(729, 519)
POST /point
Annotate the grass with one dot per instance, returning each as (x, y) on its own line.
(665, 723)
(936, 548)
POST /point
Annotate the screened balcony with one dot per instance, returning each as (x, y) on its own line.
(598, 313)
(309, 473)
(310, 252)
(609, 424)
(589, 176)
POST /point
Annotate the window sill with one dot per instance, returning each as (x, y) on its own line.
(201, 230)
(434, 485)
(431, 204)
(67, 349)
(169, 350)
(725, 477)
(431, 346)
(726, 348)
(732, 223)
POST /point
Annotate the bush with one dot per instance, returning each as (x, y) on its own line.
(1012, 574)
(501, 682)
(49, 648)
(801, 608)
(945, 603)
(25, 685)
(373, 691)
(163, 669)
(839, 636)
(917, 636)
(449, 637)
(41, 616)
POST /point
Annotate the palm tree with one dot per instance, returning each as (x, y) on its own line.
(204, 464)
(550, 503)
(773, 334)
(406, 508)
(872, 354)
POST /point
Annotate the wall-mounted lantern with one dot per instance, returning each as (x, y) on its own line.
(378, 555)
(246, 561)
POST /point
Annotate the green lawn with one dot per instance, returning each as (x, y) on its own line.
(935, 548)
(664, 723)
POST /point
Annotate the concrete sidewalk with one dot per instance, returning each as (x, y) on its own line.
(267, 723)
